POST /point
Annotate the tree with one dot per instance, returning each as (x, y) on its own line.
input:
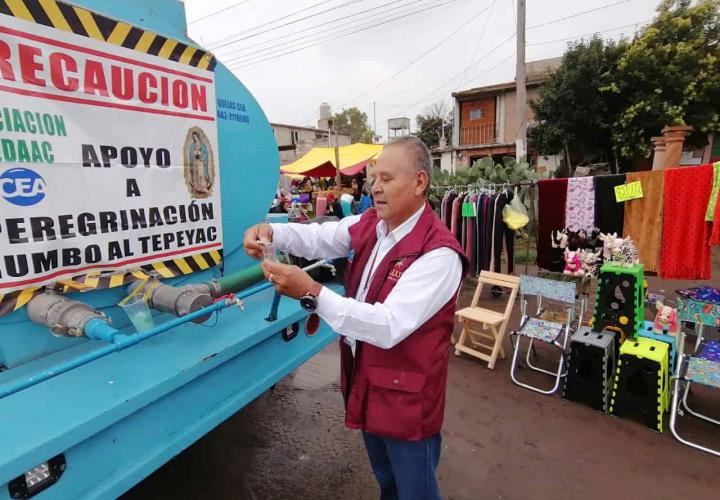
(431, 123)
(669, 76)
(354, 122)
(572, 112)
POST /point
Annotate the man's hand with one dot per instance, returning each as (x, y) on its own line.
(290, 280)
(259, 232)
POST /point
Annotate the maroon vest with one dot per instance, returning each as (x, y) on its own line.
(398, 392)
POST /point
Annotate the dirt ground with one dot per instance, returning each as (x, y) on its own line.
(500, 441)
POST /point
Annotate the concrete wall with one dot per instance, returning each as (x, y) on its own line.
(304, 140)
(446, 163)
(510, 126)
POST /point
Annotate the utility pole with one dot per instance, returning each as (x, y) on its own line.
(520, 92)
(337, 161)
(374, 124)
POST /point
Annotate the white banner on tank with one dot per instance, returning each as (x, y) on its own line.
(108, 157)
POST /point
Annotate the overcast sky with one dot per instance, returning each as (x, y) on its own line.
(374, 65)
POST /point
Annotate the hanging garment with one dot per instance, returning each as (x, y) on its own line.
(449, 207)
(685, 252)
(710, 213)
(470, 236)
(489, 205)
(320, 206)
(580, 204)
(644, 218)
(458, 217)
(480, 212)
(609, 214)
(551, 216)
(503, 233)
(463, 223)
(453, 214)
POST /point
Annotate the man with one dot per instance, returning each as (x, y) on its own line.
(404, 273)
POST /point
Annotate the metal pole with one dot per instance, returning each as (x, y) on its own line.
(374, 123)
(337, 161)
(521, 94)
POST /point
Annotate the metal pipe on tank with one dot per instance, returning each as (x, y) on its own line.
(62, 315)
(101, 330)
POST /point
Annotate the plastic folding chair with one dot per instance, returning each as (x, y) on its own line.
(549, 332)
(483, 328)
(702, 368)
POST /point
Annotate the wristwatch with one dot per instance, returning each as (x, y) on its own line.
(309, 300)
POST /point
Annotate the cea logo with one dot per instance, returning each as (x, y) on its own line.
(22, 186)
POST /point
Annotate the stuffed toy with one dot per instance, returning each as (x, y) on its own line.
(624, 252)
(608, 244)
(592, 239)
(559, 244)
(618, 251)
(559, 239)
(666, 320)
(573, 264)
(590, 262)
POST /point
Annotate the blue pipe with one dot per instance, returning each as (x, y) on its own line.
(100, 330)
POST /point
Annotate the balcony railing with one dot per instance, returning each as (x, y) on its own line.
(478, 134)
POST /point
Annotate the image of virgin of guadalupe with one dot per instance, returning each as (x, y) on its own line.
(199, 164)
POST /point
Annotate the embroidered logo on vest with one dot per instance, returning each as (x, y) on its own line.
(396, 270)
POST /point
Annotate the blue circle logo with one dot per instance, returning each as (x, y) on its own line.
(22, 186)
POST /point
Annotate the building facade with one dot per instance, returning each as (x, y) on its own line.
(294, 141)
(485, 120)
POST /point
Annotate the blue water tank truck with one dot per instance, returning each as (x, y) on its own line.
(131, 321)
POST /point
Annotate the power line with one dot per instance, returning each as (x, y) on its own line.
(588, 34)
(577, 14)
(321, 25)
(252, 63)
(483, 10)
(349, 29)
(488, 70)
(476, 76)
(268, 23)
(480, 39)
(510, 38)
(237, 4)
(452, 78)
(230, 42)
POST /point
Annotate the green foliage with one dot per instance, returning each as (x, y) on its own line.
(431, 122)
(571, 109)
(607, 99)
(670, 76)
(354, 122)
(485, 171)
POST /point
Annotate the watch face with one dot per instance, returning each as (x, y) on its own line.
(308, 303)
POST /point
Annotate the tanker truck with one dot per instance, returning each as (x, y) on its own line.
(131, 321)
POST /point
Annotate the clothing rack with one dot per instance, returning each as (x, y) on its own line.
(485, 185)
(490, 185)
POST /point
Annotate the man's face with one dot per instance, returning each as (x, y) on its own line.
(396, 188)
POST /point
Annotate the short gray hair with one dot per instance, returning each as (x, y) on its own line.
(420, 157)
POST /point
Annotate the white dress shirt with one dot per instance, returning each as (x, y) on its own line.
(420, 292)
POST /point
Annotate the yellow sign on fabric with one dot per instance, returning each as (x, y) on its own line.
(627, 192)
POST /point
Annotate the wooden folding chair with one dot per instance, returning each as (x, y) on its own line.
(483, 328)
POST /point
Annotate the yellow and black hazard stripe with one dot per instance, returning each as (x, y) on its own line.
(13, 301)
(83, 22)
(165, 269)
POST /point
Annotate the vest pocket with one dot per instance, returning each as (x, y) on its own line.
(394, 403)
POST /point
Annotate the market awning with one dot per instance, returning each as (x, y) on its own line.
(320, 162)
